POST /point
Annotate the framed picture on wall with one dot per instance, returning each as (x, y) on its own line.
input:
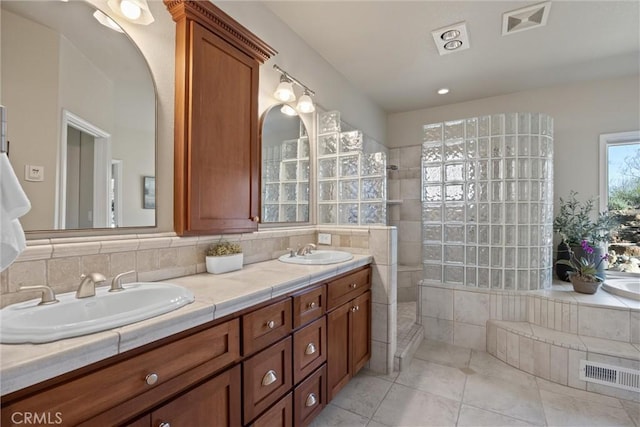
(149, 192)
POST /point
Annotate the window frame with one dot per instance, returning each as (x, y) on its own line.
(607, 139)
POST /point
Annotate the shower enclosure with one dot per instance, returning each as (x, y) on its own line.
(487, 201)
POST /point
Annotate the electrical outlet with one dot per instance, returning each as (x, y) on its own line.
(324, 238)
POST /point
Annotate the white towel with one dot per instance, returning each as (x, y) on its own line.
(13, 204)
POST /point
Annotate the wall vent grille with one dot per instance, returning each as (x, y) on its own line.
(613, 376)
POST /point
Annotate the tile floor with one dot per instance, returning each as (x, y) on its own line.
(447, 385)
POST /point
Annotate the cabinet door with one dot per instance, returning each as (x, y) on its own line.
(338, 349)
(219, 162)
(360, 331)
(280, 414)
(217, 402)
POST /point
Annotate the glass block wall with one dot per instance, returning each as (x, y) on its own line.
(352, 184)
(487, 201)
(286, 177)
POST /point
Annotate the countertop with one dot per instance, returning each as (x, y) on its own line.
(216, 296)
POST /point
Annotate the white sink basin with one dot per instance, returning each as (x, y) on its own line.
(28, 322)
(317, 258)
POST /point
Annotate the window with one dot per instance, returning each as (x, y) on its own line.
(620, 171)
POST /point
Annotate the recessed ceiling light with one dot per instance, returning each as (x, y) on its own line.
(450, 35)
(443, 91)
(452, 38)
(452, 45)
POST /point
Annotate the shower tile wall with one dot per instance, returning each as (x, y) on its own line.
(404, 186)
(487, 201)
(352, 183)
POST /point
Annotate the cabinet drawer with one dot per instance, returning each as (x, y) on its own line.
(266, 377)
(124, 380)
(309, 305)
(309, 349)
(280, 414)
(265, 326)
(310, 397)
(348, 287)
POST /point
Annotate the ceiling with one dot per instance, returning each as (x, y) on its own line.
(385, 48)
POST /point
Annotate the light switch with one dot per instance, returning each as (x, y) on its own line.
(33, 173)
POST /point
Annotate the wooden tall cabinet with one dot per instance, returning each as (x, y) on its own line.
(216, 154)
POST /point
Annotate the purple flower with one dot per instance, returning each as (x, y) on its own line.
(585, 247)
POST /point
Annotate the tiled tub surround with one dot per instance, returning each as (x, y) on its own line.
(544, 332)
(487, 201)
(59, 263)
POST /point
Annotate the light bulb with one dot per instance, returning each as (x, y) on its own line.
(305, 104)
(288, 110)
(130, 9)
(284, 92)
(443, 91)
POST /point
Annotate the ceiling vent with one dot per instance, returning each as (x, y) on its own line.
(452, 38)
(525, 18)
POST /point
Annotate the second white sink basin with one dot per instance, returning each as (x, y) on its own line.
(28, 322)
(320, 257)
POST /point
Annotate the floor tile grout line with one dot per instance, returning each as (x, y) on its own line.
(464, 388)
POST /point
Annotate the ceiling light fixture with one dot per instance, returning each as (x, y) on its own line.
(443, 91)
(453, 44)
(102, 18)
(284, 92)
(136, 11)
(452, 38)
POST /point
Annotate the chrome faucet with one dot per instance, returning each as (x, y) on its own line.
(306, 249)
(88, 283)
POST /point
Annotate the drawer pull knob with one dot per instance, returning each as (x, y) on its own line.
(164, 424)
(269, 378)
(271, 324)
(353, 285)
(310, 349)
(312, 305)
(151, 379)
(355, 308)
(311, 400)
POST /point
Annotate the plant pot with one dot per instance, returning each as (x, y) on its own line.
(224, 264)
(598, 253)
(562, 271)
(583, 286)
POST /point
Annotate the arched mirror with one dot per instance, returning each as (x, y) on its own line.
(285, 166)
(81, 117)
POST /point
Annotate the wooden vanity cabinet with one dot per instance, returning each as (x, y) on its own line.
(202, 378)
(348, 328)
(216, 153)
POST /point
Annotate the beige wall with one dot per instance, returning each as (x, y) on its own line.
(34, 107)
(581, 113)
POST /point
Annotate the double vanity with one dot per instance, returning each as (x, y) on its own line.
(267, 345)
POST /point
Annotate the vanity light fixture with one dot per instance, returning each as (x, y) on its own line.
(102, 18)
(284, 92)
(288, 110)
(443, 91)
(136, 11)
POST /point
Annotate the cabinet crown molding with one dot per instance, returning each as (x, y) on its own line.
(217, 21)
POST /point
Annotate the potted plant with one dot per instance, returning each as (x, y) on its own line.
(584, 275)
(575, 222)
(223, 257)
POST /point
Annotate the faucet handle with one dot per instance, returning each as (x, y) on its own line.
(292, 252)
(116, 282)
(48, 296)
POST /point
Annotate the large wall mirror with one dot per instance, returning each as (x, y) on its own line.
(285, 166)
(81, 117)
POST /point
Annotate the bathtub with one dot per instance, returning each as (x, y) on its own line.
(623, 284)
